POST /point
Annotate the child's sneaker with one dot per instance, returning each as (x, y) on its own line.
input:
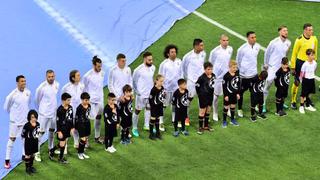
(253, 119)
(301, 110)
(310, 108)
(113, 149)
(152, 137)
(162, 127)
(7, 164)
(85, 156)
(234, 122)
(176, 133)
(262, 116)
(294, 106)
(186, 133)
(158, 136)
(208, 129)
(281, 113)
(33, 170)
(135, 132)
(200, 131)
(128, 141)
(80, 156)
(187, 122)
(63, 161)
(109, 150)
(240, 113)
(224, 124)
(123, 142)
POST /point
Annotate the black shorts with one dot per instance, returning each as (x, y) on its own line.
(65, 135)
(126, 122)
(232, 99)
(205, 100)
(30, 146)
(299, 64)
(256, 98)
(246, 84)
(111, 130)
(156, 111)
(84, 129)
(308, 87)
(180, 115)
(281, 92)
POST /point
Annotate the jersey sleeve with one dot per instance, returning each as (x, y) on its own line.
(8, 102)
(199, 84)
(295, 50)
(59, 119)
(110, 81)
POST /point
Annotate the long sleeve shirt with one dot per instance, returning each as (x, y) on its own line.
(172, 72)
(247, 59)
(46, 98)
(118, 78)
(93, 84)
(143, 80)
(192, 65)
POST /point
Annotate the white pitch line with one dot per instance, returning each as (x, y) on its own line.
(74, 32)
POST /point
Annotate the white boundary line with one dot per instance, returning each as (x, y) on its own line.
(74, 32)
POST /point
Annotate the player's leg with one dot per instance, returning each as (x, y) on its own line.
(146, 113)
(13, 132)
(202, 111)
(97, 124)
(135, 116)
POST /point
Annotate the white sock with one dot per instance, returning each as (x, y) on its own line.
(76, 137)
(173, 114)
(161, 119)
(97, 124)
(135, 118)
(50, 140)
(215, 104)
(9, 148)
(23, 152)
(267, 87)
(146, 117)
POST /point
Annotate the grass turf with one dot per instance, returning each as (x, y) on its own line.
(278, 148)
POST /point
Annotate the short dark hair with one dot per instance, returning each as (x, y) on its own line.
(284, 60)
(111, 95)
(120, 56)
(181, 81)
(309, 52)
(263, 74)
(19, 77)
(197, 41)
(281, 27)
(72, 75)
(32, 112)
(65, 96)
(306, 25)
(85, 95)
(96, 60)
(207, 64)
(126, 88)
(49, 71)
(249, 33)
(146, 54)
(167, 50)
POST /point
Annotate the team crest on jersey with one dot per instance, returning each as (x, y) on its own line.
(162, 96)
(287, 78)
(184, 100)
(260, 86)
(88, 112)
(234, 82)
(130, 108)
(114, 117)
(69, 113)
(36, 132)
(211, 82)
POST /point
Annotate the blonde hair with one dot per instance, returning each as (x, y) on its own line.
(158, 76)
(232, 63)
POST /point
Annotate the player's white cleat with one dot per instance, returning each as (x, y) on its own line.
(301, 110)
(37, 157)
(240, 113)
(215, 117)
(310, 108)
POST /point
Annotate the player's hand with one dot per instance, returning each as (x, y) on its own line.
(226, 98)
(265, 67)
(293, 71)
(118, 126)
(60, 135)
(72, 131)
(238, 96)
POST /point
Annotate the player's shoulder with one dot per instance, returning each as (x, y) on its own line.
(113, 68)
(88, 73)
(141, 66)
(188, 54)
(244, 45)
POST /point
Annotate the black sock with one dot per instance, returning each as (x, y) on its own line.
(110, 141)
(175, 124)
(260, 108)
(27, 162)
(31, 161)
(253, 111)
(232, 110)
(127, 133)
(278, 105)
(157, 127)
(240, 101)
(151, 125)
(61, 152)
(201, 118)
(183, 125)
(123, 134)
(81, 146)
(225, 111)
(281, 104)
(206, 120)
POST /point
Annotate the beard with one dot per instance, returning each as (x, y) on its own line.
(284, 36)
(148, 64)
